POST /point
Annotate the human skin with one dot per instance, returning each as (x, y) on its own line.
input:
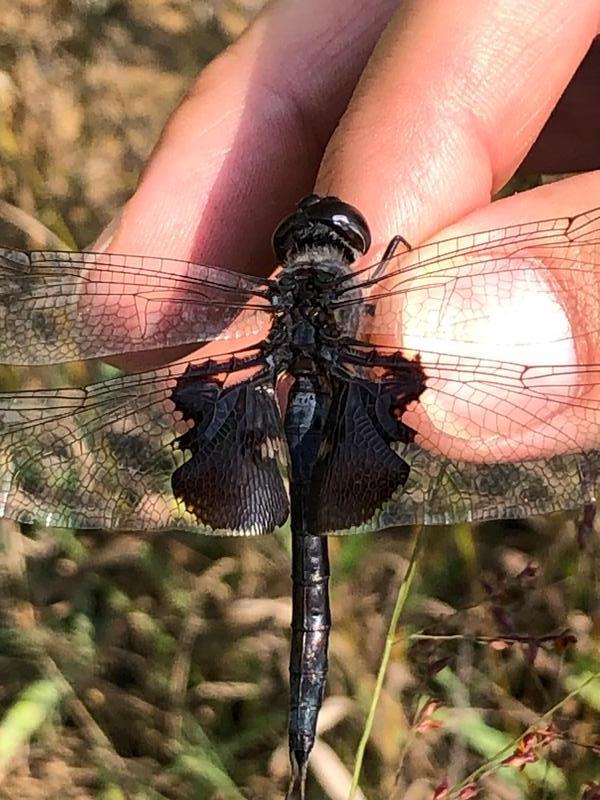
(453, 96)
(416, 113)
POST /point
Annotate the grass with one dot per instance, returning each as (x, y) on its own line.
(169, 657)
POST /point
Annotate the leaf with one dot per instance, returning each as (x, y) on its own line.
(25, 717)
(111, 792)
(473, 729)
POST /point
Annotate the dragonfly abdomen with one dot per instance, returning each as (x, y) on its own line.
(311, 623)
(308, 406)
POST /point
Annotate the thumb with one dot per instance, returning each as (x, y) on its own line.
(506, 326)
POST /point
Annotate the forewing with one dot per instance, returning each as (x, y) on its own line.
(180, 447)
(574, 238)
(60, 306)
(469, 289)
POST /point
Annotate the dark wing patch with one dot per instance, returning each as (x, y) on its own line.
(232, 480)
(104, 456)
(357, 471)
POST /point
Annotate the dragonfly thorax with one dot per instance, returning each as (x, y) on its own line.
(315, 246)
(306, 303)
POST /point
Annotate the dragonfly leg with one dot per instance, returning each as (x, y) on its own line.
(390, 252)
(393, 245)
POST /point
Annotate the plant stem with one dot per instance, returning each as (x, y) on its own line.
(390, 641)
(492, 764)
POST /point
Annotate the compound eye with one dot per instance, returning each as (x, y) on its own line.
(309, 200)
(284, 234)
(343, 218)
(315, 215)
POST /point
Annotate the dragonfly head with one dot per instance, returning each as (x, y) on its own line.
(322, 222)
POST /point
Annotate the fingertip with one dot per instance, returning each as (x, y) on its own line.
(247, 139)
(452, 99)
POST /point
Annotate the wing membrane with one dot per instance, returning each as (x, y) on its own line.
(61, 306)
(492, 440)
(470, 289)
(179, 447)
(448, 256)
(357, 470)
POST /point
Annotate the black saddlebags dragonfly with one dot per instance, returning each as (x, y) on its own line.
(402, 406)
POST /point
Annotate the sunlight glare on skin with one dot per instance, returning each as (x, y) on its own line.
(481, 338)
(481, 319)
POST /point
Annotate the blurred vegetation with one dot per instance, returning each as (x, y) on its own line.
(156, 667)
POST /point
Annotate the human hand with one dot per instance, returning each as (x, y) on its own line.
(449, 103)
(442, 114)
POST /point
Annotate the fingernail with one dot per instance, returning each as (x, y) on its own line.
(108, 234)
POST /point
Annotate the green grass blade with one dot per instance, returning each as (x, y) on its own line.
(390, 640)
(25, 717)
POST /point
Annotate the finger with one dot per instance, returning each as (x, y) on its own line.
(450, 102)
(243, 145)
(528, 324)
(247, 139)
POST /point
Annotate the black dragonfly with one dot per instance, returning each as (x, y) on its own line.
(400, 407)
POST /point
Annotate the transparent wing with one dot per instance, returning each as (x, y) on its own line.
(193, 446)
(468, 290)
(61, 306)
(570, 238)
(484, 440)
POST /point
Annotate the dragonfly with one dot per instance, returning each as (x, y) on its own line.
(451, 382)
